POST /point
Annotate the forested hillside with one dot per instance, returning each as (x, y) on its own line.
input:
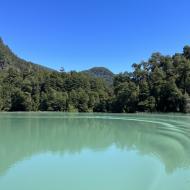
(9, 60)
(161, 84)
(29, 87)
(101, 72)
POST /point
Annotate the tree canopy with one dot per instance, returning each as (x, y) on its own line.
(161, 84)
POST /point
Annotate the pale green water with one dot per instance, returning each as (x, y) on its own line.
(57, 151)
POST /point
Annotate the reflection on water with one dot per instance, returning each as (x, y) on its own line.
(165, 138)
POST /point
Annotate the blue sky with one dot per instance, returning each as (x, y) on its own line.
(79, 34)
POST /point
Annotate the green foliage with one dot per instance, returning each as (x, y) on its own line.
(127, 97)
(102, 73)
(161, 84)
(20, 101)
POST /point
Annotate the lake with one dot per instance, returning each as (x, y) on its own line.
(72, 151)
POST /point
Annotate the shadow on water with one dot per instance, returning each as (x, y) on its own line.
(166, 137)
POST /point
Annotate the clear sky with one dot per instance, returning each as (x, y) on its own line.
(79, 34)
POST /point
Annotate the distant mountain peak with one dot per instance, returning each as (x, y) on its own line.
(101, 72)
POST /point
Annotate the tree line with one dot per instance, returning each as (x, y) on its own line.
(161, 84)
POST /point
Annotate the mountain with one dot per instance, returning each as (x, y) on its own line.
(25, 86)
(101, 72)
(9, 60)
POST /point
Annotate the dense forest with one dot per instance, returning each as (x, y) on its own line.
(101, 72)
(161, 84)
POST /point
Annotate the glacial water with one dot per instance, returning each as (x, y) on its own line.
(68, 151)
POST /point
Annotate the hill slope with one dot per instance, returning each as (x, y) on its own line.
(101, 72)
(9, 60)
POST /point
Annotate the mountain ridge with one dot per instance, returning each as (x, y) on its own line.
(101, 72)
(8, 59)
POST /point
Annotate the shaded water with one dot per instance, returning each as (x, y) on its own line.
(56, 151)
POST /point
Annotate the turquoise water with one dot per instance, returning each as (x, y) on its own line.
(57, 151)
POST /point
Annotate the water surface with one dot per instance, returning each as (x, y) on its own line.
(57, 151)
